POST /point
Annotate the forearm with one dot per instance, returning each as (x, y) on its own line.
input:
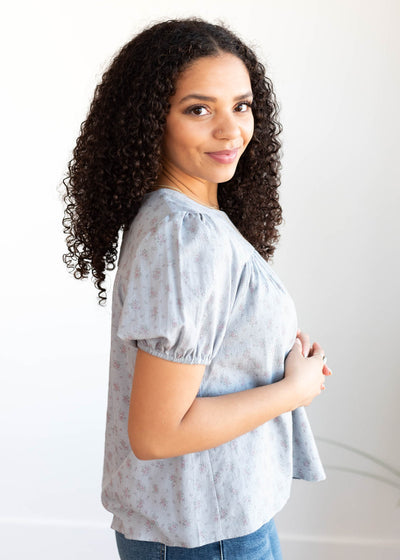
(212, 421)
(166, 419)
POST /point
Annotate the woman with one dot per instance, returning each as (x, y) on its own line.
(208, 372)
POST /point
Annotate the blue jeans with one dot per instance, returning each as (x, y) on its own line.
(260, 545)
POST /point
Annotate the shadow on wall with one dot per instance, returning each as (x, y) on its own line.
(391, 479)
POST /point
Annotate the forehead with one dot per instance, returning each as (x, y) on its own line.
(225, 73)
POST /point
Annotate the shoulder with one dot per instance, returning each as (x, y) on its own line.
(172, 229)
(169, 219)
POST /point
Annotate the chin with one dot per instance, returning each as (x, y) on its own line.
(226, 177)
(223, 176)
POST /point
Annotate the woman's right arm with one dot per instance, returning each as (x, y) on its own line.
(167, 419)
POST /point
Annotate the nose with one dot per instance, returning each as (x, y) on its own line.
(226, 128)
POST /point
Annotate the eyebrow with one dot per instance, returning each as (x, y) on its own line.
(212, 99)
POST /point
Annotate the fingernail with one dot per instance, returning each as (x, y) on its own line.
(298, 341)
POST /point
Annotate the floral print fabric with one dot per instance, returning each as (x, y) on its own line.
(190, 289)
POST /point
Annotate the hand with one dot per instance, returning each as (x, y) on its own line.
(308, 350)
(305, 375)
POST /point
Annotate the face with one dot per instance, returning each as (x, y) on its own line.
(210, 122)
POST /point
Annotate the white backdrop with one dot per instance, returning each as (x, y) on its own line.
(335, 68)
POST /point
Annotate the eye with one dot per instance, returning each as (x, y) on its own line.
(196, 110)
(243, 106)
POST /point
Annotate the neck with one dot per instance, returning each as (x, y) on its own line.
(193, 187)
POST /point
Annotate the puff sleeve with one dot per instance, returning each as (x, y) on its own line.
(177, 297)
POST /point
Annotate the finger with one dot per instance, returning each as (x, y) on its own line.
(326, 370)
(297, 346)
(318, 350)
(305, 341)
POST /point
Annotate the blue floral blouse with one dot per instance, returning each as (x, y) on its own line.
(190, 289)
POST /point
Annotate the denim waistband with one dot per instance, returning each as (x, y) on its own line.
(263, 544)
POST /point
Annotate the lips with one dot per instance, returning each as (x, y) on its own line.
(224, 156)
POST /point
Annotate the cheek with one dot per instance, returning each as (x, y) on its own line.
(189, 135)
(178, 138)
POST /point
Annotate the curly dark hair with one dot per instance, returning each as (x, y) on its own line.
(117, 157)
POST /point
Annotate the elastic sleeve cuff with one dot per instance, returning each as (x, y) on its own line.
(187, 357)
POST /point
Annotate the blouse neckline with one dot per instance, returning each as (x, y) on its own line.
(187, 198)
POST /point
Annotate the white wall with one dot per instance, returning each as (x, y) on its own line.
(336, 74)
